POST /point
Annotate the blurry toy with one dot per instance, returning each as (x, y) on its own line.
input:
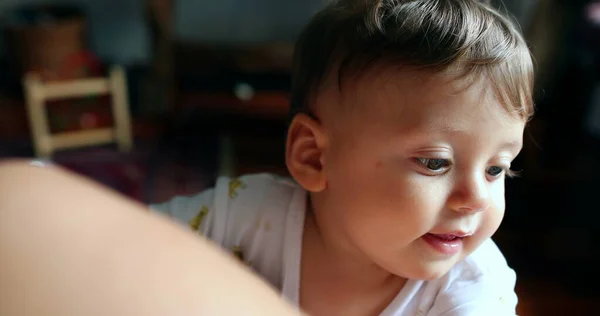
(38, 92)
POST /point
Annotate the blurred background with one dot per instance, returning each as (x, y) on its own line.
(158, 97)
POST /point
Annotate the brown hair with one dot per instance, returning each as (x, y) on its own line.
(463, 36)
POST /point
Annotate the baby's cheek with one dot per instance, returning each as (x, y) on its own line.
(491, 220)
(492, 217)
(496, 212)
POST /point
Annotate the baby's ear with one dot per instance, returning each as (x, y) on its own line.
(306, 142)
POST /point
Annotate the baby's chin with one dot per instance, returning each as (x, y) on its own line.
(426, 270)
(432, 273)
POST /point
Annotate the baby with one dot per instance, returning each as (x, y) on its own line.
(406, 117)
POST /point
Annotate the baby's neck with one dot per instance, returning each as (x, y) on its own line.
(336, 282)
(338, 266)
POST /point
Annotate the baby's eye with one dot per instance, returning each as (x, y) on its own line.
(495, 171)
(434, 164)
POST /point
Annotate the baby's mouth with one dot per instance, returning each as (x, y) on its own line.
(447, 237)
(448, 244)
(451, 236)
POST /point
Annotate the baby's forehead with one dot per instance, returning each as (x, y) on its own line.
(415, 96)
(418, 108)
(410, 81)
(406, 87)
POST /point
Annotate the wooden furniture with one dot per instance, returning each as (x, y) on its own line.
(38, 92)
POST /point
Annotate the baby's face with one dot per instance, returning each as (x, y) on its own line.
(416, 170)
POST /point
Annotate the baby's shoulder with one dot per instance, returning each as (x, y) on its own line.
(232, 206)
(242, 194)
(244, 215)
(249, 201)
(253, 211)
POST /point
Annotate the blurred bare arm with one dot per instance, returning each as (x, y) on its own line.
(70, 247)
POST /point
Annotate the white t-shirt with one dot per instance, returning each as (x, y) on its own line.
(260, 218)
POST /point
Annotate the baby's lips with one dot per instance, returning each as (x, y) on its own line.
(452, 235)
